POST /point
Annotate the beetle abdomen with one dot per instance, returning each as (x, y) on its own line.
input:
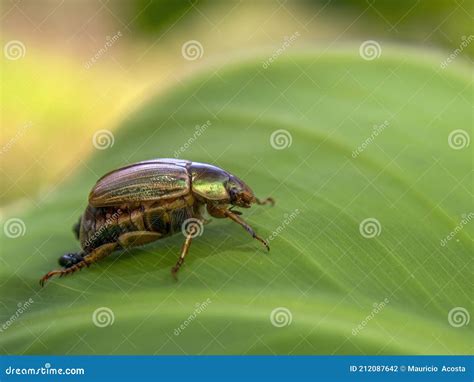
(103, 225)
(168, 220)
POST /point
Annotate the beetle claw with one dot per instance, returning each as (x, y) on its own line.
(264, 242)
(174, 273)
(265, 201)
(266, 245)
(48, 275)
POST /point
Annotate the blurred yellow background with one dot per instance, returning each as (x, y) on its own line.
(70, 68)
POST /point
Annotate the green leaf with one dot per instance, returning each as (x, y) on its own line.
(321, 269)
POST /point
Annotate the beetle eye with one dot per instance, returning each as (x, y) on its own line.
(233, 194)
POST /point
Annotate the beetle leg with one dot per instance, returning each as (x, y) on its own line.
(94, 256)
(231, 215)
(184, 251)
(235, 212)
(137, 238)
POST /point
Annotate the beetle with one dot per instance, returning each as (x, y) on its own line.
(149, 200)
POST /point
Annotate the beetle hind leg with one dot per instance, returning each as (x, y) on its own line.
(74, 262)
(73, 266)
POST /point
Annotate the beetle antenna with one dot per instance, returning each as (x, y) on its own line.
(265, 201)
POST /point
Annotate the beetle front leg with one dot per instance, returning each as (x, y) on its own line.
(222, 212)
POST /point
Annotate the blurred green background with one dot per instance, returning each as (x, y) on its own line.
(65, 103)
(76, 68)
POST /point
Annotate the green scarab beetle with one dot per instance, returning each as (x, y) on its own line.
(150, 200)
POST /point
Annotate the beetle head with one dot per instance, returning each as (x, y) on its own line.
(240, 194)
(213, 184)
